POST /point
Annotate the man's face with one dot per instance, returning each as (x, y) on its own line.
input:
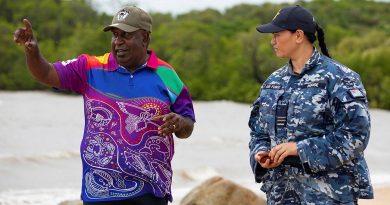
(129, 48)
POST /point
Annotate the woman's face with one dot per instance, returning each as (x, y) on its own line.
(284, 43)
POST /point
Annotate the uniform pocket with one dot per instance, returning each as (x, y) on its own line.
(309, 107)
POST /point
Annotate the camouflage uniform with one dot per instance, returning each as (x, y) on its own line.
(324, 110)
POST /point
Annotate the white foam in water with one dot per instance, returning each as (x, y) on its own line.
(40, 157)
(380, 179)
(38, 197)
(200, 173)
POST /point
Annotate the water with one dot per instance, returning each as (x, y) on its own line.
(40, 134)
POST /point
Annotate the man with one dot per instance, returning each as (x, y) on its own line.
(133, 103)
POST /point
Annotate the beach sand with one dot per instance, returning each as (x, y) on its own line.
(381, 197)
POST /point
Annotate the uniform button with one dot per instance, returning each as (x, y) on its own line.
(131, 76)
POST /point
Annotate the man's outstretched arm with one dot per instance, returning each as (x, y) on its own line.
(40, 69)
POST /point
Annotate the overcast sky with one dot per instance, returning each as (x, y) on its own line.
(174, 6)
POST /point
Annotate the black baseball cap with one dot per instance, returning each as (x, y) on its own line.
(290, 18)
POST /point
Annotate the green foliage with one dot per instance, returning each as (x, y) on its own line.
(85, 39)
(369, 56)
(217, 55)
(64, 29)
(13, 74)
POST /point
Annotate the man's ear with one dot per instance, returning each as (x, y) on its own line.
(146, 37)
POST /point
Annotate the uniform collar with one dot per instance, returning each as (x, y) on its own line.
(152, 62)
(313, 61)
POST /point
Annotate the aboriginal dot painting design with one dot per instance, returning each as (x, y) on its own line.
(123, 150)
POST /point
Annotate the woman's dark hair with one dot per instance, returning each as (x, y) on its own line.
(321, 40)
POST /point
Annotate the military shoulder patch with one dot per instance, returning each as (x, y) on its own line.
(356, 93)
(348, 82)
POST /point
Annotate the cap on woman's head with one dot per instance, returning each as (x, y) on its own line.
(290, 18)
(130, 19)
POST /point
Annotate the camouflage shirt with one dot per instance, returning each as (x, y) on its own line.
(324, 110)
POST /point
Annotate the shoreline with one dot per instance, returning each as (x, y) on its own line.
(41, 132)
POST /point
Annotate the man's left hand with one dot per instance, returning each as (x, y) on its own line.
(175, 123)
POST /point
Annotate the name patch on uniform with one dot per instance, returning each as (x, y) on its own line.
(356, 93)
(318, 84)
(272, 86)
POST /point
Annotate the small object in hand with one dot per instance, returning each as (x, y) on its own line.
(263, 159)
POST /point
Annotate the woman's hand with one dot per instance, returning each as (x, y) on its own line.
(265, 161)
(281, 151)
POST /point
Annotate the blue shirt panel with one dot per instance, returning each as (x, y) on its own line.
(123, 84)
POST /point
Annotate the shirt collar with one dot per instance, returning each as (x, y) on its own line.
(151, 63)
(313, 61)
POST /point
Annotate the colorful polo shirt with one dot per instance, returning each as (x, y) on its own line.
(123, 155)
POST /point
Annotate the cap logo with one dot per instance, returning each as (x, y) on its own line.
(277, 14)
(122, 15)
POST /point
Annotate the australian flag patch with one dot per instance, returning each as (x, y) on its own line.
(356, 93)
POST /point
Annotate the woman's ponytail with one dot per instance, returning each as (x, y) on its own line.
(321, 40)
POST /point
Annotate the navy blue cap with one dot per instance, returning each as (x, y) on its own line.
(290, 18)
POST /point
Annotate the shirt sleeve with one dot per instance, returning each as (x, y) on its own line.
(178, 93)
(72, 74)
(183, 104)
(349, 138)
(260, 140)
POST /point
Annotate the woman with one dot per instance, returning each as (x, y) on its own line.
(310, 123)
